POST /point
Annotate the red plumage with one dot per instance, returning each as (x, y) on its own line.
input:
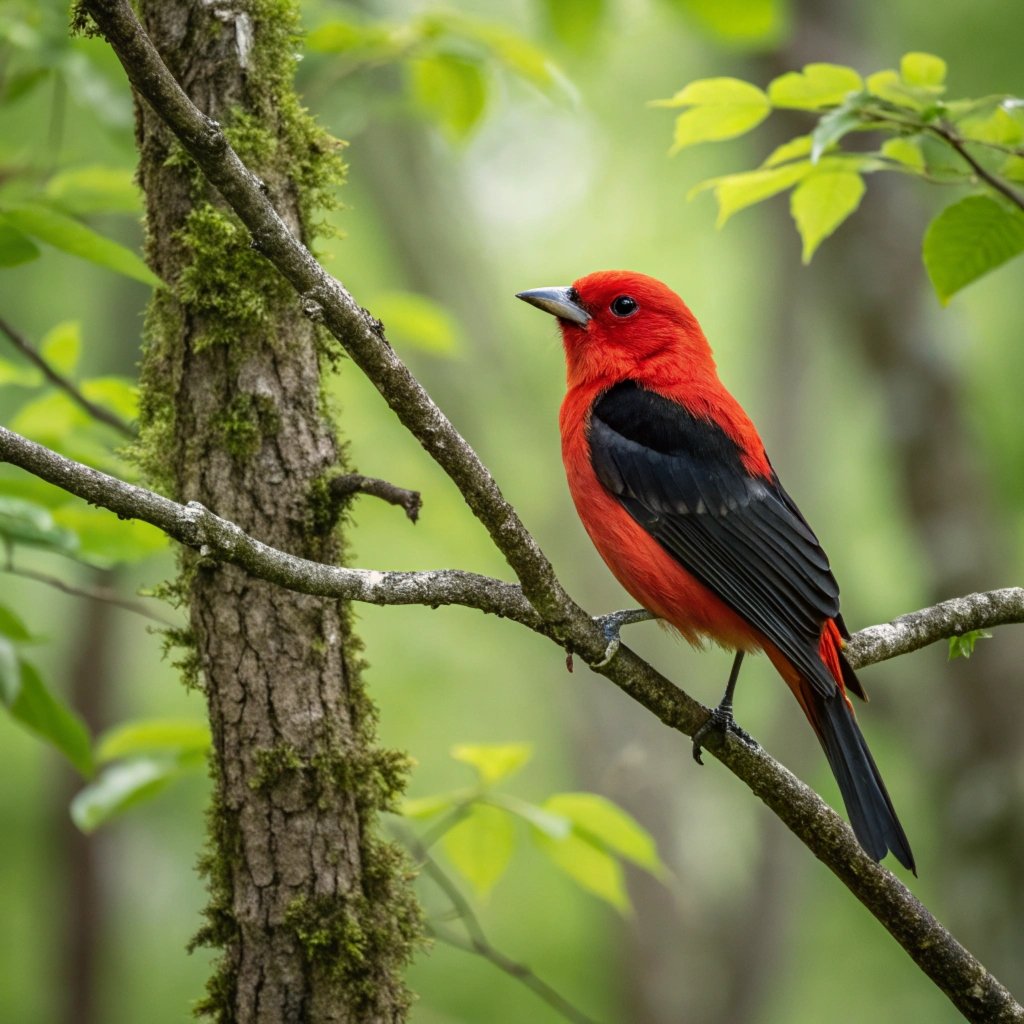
(672, 483)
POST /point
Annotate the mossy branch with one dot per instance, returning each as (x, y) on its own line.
(978, 995)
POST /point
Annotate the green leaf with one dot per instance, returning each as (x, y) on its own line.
(24, 522)
(32, 705)
(508, 49)
(720, 108)
(430, 806)
(62, 345)
(998, 126)
(888, 85)
(735, 192)
(833, 126)
(739, 22)
(54, 420)
(104, 539)
(922, 69)
(575, 23)
(816, 87)
(416, 320)
(15, 247)
(553, 825)
(22, 376)
(792, 150)
(493, 762)
(124, 785)
(451, 90)
(70, 236)
(904, 151)
(153, 736)
(604, 824)
(376, 41)
(118, 394)
(589, 866)
(10, 672)
(967, 240)
(480, 846)
(963, 646)
(821, 202)
(21, 83)
(1013, 168)
(95, 189)
(12, 627)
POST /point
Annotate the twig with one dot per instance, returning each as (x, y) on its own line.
(355, 483)
(918, 629)
(97, 412)
(478, 942)
(977, 994)
(948, 135)
(104, 594)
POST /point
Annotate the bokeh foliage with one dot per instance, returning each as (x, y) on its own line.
(493, 149)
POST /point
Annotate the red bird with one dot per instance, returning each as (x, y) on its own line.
(674, 487)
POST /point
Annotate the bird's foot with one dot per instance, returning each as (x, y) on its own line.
(720, 720)
(611, 624)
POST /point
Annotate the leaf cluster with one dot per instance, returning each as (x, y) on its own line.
(584, 835)
(916, 131)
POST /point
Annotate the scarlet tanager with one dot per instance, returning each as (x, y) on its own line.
(674, 487)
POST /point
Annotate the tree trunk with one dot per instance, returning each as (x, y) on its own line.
(313, 914)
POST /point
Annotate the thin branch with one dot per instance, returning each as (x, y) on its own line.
(477, 941)
(216, 538)
(918, 629)
(97, 412)
(103, 594)
(977, 994)
(948, 135)
(355, 483)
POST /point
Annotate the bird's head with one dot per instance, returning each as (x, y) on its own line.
(617, 323)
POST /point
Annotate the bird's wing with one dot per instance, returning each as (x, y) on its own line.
(681, 477)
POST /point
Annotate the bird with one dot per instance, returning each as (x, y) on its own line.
(673, 485)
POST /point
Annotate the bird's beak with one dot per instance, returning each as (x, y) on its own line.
(561, 302)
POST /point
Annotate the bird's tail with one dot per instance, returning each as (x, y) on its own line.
(867, 800)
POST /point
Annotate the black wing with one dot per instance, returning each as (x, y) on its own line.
(681, 478)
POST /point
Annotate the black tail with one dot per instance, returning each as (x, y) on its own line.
(867, 802)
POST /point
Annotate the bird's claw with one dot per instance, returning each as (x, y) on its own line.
(720, 720)
(611, 624)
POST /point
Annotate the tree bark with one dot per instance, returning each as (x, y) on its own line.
(313, 914)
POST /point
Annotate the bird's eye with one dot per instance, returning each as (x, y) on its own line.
(624, 305)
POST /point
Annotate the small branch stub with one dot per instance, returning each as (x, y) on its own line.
(343, 487)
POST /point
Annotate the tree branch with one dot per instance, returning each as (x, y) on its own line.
(918, 629)
(103, 594)
(97, 412)
(948, 135)
(477, 941)
(977, 994)
(342, 487)
(196, 527)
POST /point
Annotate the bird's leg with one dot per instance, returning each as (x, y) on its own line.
(721, 718)
(611, 624)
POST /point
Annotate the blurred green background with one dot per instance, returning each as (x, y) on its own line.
(893, 422)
